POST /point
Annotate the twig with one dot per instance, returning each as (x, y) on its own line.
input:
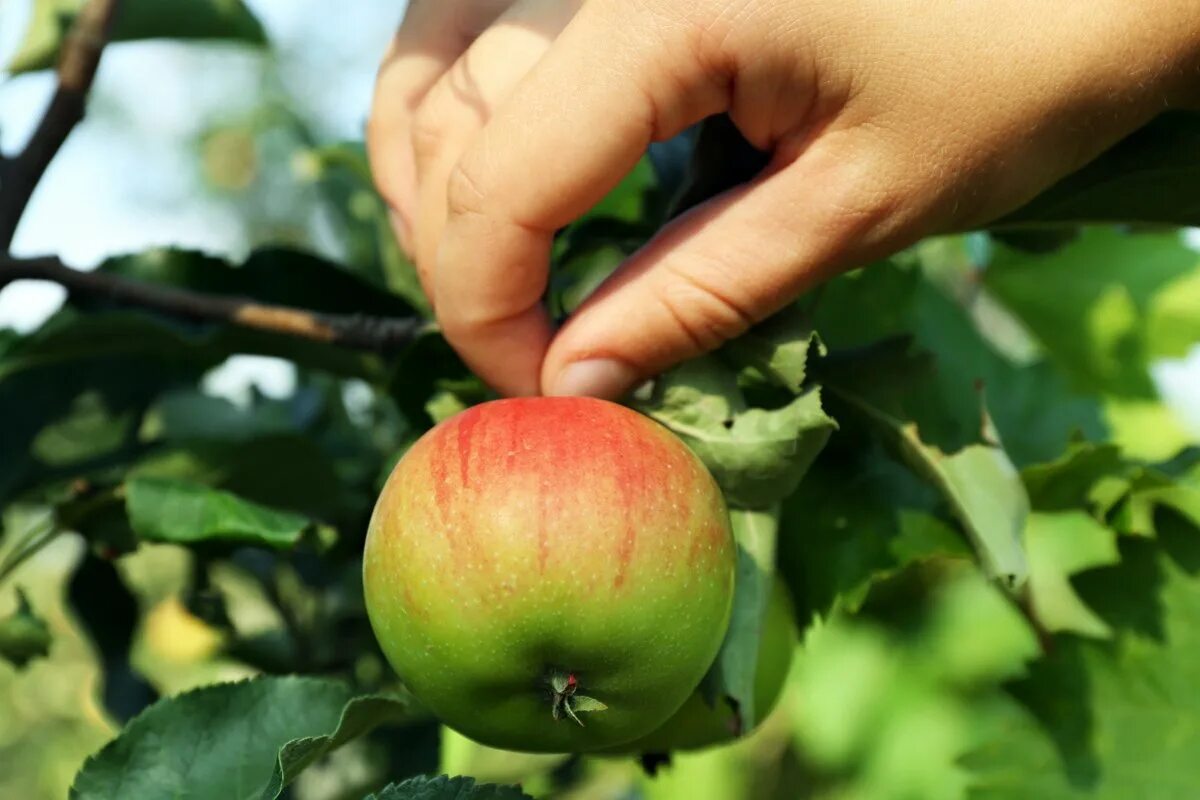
(348, 330)
(77, 64)
(20, 174)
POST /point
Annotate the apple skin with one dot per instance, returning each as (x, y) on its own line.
(530, 537)
(697, 724)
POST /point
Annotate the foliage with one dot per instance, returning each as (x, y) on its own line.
(956, 461)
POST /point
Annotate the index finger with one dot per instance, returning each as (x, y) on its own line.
(575, 126)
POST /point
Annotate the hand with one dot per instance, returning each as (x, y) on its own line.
(498, 122)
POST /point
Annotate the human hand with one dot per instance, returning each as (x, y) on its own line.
(498, 122)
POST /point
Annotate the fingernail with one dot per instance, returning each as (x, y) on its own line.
(596, 377)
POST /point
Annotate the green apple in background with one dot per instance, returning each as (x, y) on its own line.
(697, 724)
(550, 574)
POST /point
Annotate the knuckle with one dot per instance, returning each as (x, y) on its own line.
(428, 132)
(865, 208)
(868, 201)
(705, 316)
(463, 193)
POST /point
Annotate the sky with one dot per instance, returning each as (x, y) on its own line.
(127, 179)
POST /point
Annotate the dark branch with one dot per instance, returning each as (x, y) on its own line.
(381, 334)
(77, 65)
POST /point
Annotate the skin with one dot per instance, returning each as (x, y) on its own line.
(531, 536)
(697, 724)
(497, 122)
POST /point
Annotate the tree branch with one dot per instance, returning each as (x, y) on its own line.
(77, 64)
(19, 177)
(381, 334)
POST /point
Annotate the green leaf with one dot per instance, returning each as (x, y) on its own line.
(89, 430)
(1070, 480)
(444, 788)
(1059, 546)
(164, 510)
(628, 201)
(271, 275)
(189, 414)
(887, 712)
(1094, 304)
(581, 702)
(1030, 402)
(858, 518)
(23, 635)
(779, 348)
(758, 456)
(220, 742)
(1109, 720)
(73, 391)
(974, 635)
(1151, 493)
(582, 267)
(360, 716)
(732, 676)
(1153, 176)
(987, 496)
(228, 20)
(979, 481)
(288, 471)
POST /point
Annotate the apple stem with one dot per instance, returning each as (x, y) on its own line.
(566, 700)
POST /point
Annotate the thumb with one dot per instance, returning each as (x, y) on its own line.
(728, 264)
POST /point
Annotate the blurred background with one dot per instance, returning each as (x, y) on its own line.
(219, 148)
(198, 145)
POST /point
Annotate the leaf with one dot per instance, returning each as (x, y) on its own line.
(444, 788)
(189, 415)
(1059, 546)
(271, 275)
(979, 482)
(23, 635)
(581, 702)
(421, 371)
(360, 716)
(1152, 177)
(779, 348)
(1030, 402)
(1150, 493)
(164, 510)
(138, 19)
(758, 456)
(68, 401)
(732, 676)
(220, 742)
(975, 635)
(1069, 481)
(986, 494)
(289, 472)
(858, 518)
(1094, 304)
(886, 712)
(1109, 720)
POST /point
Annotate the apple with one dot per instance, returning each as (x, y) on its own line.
(697, 724)
(550, 574)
